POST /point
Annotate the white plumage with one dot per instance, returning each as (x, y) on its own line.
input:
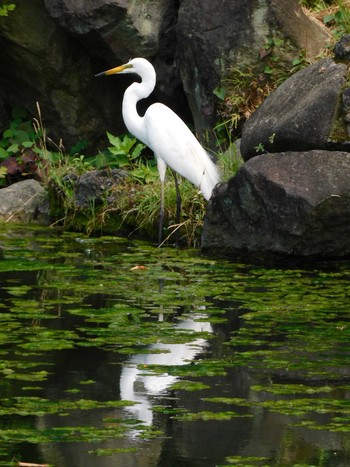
(163, 131)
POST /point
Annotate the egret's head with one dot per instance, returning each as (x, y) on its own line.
(136, 65)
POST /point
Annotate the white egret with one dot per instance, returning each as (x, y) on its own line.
(164, 132)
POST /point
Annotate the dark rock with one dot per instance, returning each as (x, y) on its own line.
(24, 201)
(292, 204)
(342, 48)
(301, 114)
(93, 187)
(113, 29)
(84, 17)
(346, 108)
(51, 50)
(46, 65)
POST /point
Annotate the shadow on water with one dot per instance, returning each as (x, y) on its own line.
(117, 353)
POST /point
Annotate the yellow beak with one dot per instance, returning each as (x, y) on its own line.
(114, 71)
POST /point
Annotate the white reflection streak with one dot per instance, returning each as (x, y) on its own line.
(137, 386)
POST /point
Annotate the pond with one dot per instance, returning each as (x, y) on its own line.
(116, 353)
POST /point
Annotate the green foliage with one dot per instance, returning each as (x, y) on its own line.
(228, 155)
(133, 204)
(315, 5)
(126, 152)
(124, 149)
(339, 20)
(19, 135)
(335, 14)
(3, 172)
(6, 8)
(138, 205)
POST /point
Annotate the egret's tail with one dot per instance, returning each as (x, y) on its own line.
(211, 176)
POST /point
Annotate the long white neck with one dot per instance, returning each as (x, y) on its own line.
(133, 94)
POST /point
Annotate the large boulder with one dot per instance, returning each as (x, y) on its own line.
(24, 201)
(94, 187)
(41, 63)
(51, 51)
(292, 204)
(304, 113)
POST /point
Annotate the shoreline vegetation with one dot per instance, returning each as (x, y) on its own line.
(132, 204)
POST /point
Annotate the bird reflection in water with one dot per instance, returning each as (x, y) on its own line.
(139, 386)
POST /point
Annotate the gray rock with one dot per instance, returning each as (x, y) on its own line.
(302, 114)
(24, 201)
(291, 204)
(118, 25)
(94, 187)
(46, 65)
(342, 48)
(306, 31)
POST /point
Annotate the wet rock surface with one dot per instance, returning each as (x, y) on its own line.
(293, 204)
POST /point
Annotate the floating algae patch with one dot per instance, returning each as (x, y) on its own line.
(135, 353)
(184, 385)
(39, 406)
(112, 451)
(249, 461)
(207, 416)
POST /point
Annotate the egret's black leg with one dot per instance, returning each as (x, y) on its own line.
(161, 213)
(178, 207)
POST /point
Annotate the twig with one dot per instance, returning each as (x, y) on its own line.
(175, 228)
(18, 210)
(28, 464)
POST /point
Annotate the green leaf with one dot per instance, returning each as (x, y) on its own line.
(27, 144)
(114, 140)
(328, 18)
(3, 154)
(9, 133)
(137, 151)
(220, 93)
(116, 151)
(13, 148)
(4, 9)
(296, 61)
(3, 172)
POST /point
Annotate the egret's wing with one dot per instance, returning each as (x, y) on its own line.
(173, 142)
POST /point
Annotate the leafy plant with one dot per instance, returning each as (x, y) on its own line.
(3, 173)
(6, 8)
(144, 171)
(20, 135)
(124, 151)
(134, 203)
(339, 19)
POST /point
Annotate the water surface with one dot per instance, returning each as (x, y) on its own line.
(116, 353)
